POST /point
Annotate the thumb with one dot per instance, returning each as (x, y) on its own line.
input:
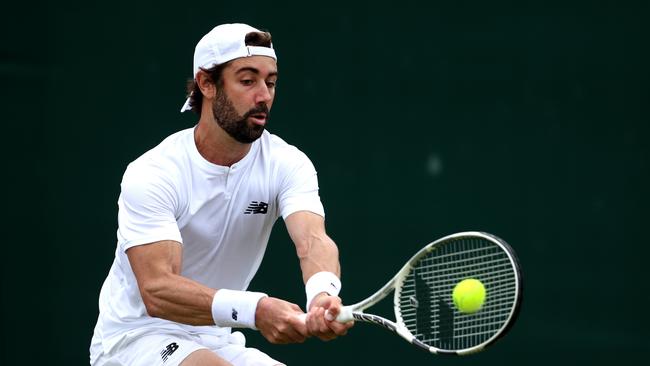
(329, 316)
(332, 311)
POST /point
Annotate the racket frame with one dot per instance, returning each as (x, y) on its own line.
(356, 311)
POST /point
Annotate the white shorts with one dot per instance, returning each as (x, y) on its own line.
(171, 348)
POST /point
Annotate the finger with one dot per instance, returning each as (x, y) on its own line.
(295, 336)
(317, 325)
(333, 307)
(299, 326)
(326, 331)
(337, 328)
(287, 334)
(276, 337)
(340, 328)
(331, 314)
(312, 321)
(318, 321)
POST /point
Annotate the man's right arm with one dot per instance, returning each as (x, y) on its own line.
(165, 293)
(168, 295)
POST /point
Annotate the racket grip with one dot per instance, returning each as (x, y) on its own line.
(344, 316)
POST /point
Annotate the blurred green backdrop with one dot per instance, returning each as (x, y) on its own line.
(527, 119)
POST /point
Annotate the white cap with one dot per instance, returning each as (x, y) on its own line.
(224, 43)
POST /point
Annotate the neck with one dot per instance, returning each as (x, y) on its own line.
(216, 146)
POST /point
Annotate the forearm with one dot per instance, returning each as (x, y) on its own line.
(316, 250)
(319, 261)
(180, 299)
(317, 253)
(168, 295)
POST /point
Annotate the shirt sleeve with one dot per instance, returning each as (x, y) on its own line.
(299, 189)
(146, 209)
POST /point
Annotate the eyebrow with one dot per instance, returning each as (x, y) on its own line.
(254, 71)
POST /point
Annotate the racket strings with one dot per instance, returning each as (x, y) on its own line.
(425, 300)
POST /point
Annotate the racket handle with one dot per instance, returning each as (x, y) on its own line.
(344, 316)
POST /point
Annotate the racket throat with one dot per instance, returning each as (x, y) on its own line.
(369, 318)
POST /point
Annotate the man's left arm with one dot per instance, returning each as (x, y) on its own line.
(319, 261)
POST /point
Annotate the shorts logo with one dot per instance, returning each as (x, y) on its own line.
(234, 314)
(171, 348)
(257, 208)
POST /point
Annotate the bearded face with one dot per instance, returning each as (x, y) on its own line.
(237, 126)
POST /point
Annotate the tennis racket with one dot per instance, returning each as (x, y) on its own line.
(424, 310)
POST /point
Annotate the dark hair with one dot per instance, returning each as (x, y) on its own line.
(261, 39)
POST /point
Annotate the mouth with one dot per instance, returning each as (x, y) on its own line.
(258, 118)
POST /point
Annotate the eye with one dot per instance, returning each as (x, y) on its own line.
(247, 82)
(271, 84)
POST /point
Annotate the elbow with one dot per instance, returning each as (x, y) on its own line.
(153, 309)
(152, 303)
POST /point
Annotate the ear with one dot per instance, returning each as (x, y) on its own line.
(206, 84)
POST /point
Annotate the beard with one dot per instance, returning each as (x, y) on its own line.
(235, 125)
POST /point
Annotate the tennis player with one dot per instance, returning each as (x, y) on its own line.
(195, 216)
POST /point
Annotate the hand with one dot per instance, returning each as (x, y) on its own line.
(279, 321)
(321, 319)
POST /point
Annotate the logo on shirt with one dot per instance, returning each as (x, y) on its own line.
(257, 208)
(234, 314)
(171, 348)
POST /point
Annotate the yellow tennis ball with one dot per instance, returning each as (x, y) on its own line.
(469, 295)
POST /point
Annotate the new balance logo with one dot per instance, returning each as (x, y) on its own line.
(171, 348)
(234, 314)
(257, 208)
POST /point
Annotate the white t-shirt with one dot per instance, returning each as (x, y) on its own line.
(223, 217)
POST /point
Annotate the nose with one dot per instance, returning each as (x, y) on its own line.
(264, 94)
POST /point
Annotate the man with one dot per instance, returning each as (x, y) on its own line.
(195, 216)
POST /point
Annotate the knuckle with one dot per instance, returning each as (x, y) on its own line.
(301, 339)
(328, 338)
(275, 335)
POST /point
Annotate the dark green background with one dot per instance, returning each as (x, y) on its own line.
(527, 119)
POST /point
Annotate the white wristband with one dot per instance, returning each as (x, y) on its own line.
(322, 282)
(235, 309)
